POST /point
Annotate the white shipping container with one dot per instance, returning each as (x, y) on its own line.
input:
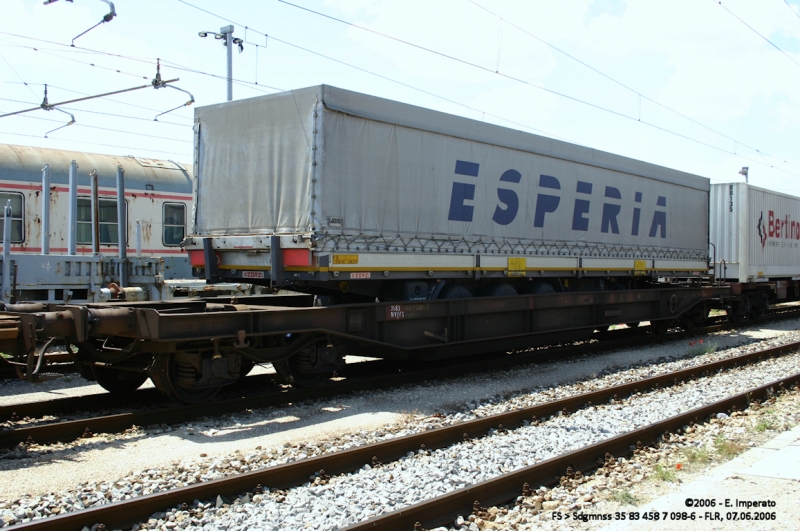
(756, 233)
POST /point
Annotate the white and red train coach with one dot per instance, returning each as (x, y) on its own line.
(158, 198)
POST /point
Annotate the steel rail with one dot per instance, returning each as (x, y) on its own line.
(150, 396)
(138, 509)
(627, 338)
(114, 423)
(444, 509)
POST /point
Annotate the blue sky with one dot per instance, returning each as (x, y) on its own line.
(691, 86)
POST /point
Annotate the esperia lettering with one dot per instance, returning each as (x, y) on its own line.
(547, 203)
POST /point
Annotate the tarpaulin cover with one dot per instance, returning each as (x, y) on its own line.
(331, 161)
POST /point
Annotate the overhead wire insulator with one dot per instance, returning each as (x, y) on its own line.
(157, 84)
(47, 107)
(106, 18)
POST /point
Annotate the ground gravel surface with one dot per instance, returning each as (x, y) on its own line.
(631, 485)
(45, 480)
(329, 504)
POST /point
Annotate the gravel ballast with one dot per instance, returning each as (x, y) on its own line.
(344, 500)
(168, 456)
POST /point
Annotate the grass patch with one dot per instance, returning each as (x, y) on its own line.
(767, 422)
(727, 448)
(771, 420)
(625, 497)
(697, 456)
(700, 347)
(664, 473)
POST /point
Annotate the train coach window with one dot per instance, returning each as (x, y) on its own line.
(107, 219)
(174, 223)
(16, 216)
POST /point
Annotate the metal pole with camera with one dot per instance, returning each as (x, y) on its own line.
(226, 35)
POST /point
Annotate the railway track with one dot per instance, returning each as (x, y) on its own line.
(444, 508)
(250, 394)
(358, 377)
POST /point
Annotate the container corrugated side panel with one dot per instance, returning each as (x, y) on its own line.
(724, 228)
(774, 226)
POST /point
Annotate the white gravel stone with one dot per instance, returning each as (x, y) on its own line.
(272, 436)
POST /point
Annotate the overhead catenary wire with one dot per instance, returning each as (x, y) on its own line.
(48, 52)
(105, 113)
(489, 70)
(256, 46)
(78, 49)
(737, 17)
(99, 144)
(50, 106)
(121, 102)
(513, 78)
(109, 99)
(19, 76)
(31, 117)
(240, 82)
(614, 80)
(790, 7)
(525, 126)
(373, 73)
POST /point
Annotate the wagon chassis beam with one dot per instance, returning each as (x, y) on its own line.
(405, 329)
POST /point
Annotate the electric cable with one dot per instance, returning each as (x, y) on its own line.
(105, 113)
(507, 76)
(47, 52)
(117, 101)
(489, 70)
(248, 84)
(106, 129)
(734, 15)
(78, 49)
(790, 7)
(19, 76)
(366, 71)
(616, 81)
(187, 155)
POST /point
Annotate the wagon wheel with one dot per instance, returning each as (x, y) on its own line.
(688, 322)
(734, 312)
(165, 373)
(246, 367)
(498, 290)
(455, 291)
(118, 381)
(538, 288)
(297, 369)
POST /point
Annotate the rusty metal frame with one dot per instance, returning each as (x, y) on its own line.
(406, 330)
